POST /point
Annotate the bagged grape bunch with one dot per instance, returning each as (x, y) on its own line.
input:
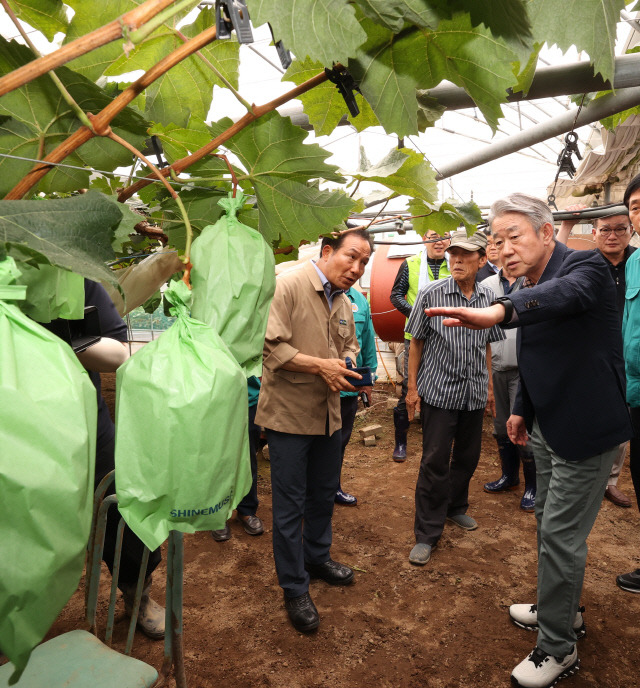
(48, 415)
(182, 447)
(233, 279)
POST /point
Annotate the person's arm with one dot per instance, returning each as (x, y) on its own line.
(567, 225)
(105, 356)
(400, 289)
(578, 290)
(108, 354)
(517, 430)
(278, 351)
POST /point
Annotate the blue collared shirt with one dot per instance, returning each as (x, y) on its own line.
(326, 285)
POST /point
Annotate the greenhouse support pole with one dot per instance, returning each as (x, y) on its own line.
(598, 109)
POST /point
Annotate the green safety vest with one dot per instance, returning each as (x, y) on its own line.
(413, 264)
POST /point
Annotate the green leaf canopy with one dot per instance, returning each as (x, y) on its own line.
(38, 119)
(71, 233)
(323, 105)
(324, 30)
(390, 67)
(280, 166)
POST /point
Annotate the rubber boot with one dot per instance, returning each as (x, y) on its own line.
(528, 501)
(509, 480)
(150, 614)
(401, 424)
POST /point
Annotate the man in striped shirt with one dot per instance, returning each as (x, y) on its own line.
(448, 382)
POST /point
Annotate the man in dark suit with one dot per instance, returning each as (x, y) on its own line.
(571, 400)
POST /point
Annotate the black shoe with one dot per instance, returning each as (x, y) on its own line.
(629, 581)
(251, 524)
(223, 534)
(331, 572)
(345, 498)
(302, 612)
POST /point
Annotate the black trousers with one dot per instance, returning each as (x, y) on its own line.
(132, 546)
(634, 452)
(442, 488)
(249, 504)
(305, 471)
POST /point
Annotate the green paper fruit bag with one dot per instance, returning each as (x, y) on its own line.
(182, 447)
(233, 279)
(48, 416)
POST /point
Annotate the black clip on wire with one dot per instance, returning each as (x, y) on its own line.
(283, 53)
(551, 201)
(157, 150)
(565, 161)
(230, 15)
(346, 85)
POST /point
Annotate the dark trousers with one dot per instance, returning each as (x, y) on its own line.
(249, 504)
(132, 546)
(442, 488)
(305, 471)
(348, 410)
(634, 452)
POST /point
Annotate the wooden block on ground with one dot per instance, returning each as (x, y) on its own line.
(370, 430)
(370, 441)
(392, 402)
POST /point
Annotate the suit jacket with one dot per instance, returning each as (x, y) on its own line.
(300, 321)
(570, 356)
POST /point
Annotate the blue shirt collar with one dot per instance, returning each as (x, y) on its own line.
(326, 285)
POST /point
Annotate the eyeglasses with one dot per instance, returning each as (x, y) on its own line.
(619, 231)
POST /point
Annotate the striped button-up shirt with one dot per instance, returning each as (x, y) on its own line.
(453, 368)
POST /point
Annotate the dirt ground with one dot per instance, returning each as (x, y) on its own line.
(441, 625)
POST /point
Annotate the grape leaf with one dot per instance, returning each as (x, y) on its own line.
(394, 14)
(90, 15)
(390, 67)
(506, 18)
(202, 209)
(444, 217)
(280, 166)
(590, 25)
(38, 119)
(72, 233)
(403, 171)
(47, 16)
(323, 104)
(324, 30)
(186, 90)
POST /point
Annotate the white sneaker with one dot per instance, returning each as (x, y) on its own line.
(526, 616)
(540, 670)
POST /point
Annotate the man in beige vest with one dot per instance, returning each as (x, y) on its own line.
(310, 333)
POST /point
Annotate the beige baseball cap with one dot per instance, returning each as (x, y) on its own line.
(475, 242)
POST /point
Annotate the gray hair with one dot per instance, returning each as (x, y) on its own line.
(534, 209)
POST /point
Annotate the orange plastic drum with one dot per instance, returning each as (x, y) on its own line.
(582, 242)
(387, 321)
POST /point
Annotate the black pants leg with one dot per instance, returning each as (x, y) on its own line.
(132, 546)
(634, 452)
(249, 504)
(442, 488)
(304, 480)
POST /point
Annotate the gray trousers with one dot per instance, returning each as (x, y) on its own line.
(567, 502)
(505, 388)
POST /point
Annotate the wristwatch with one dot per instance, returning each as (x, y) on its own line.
(508, 309)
